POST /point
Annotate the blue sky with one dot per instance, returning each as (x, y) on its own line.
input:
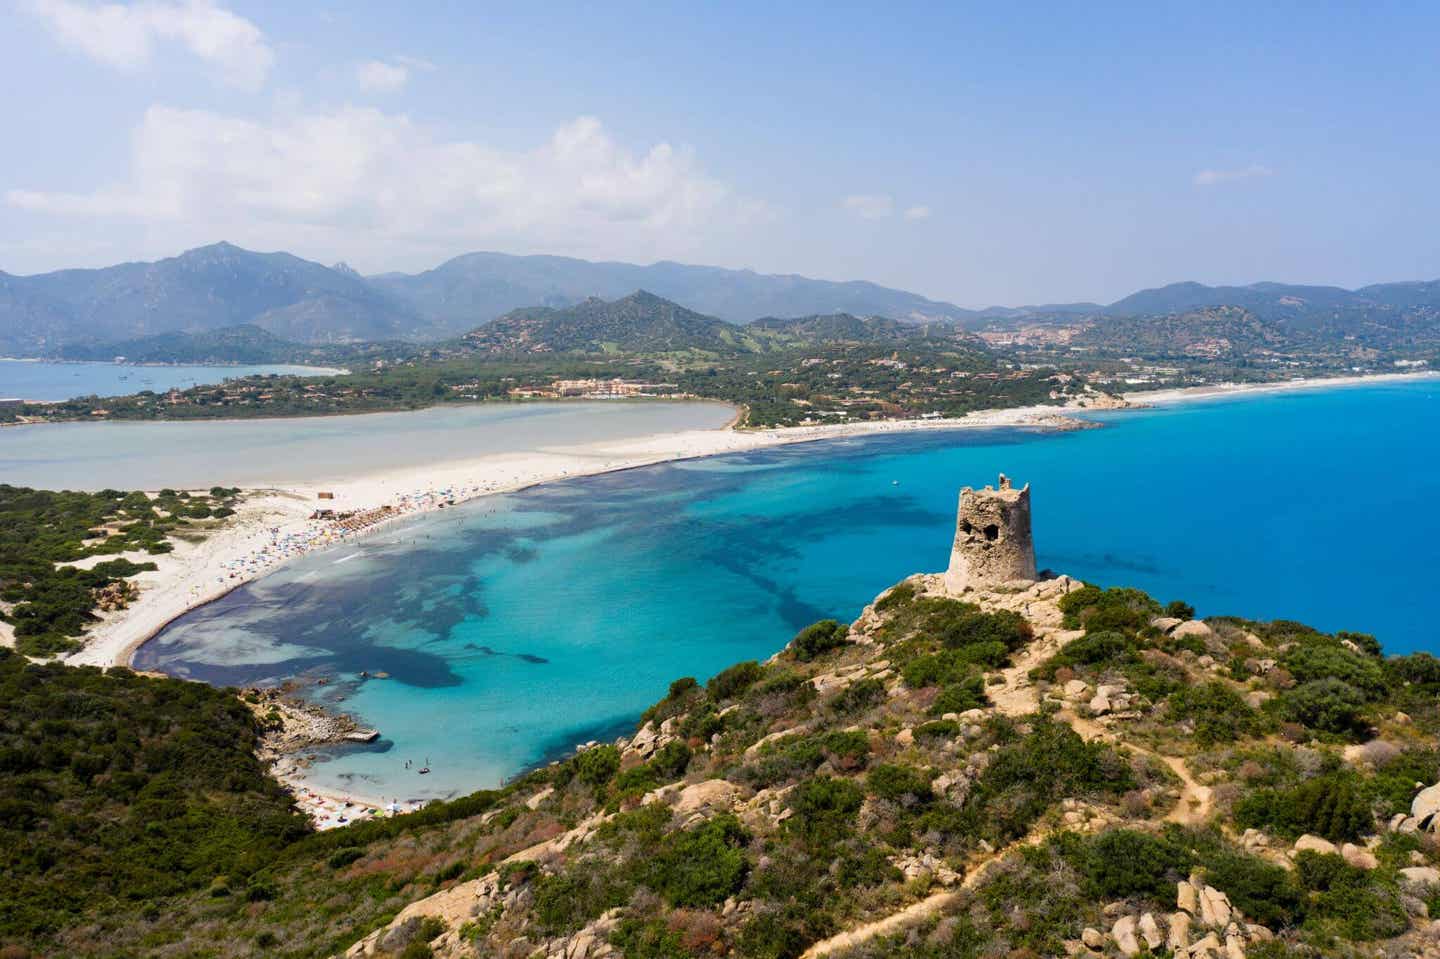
(979, 154)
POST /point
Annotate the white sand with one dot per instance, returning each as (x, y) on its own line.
(1220, 390)
(272, 526)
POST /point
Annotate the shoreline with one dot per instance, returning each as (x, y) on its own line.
(1212, 391)
(317, 370)
(272, 525)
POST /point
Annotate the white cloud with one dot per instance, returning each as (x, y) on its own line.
(917, 212)
(1213, 177)
(869, 206)
(359, 180)
(125, 35)
(377, 75)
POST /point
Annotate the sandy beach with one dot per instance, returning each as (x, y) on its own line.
(1212, 391)
(273, 526)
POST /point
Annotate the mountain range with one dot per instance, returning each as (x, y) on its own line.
(222, 286)
(645, 323)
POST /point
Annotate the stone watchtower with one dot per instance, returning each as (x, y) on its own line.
(992, 538)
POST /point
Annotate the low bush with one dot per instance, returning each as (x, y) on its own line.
(897, 783)
(1329, 705)
(959, 697)
(598, 765)
(702, 866)
(1105, 647)
(1096, 609)
(824, 809)
(1215, 711)
(858, 696)
(1332, 805)
(731, 682)
(819, 638)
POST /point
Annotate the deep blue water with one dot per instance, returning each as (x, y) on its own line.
(513, 628)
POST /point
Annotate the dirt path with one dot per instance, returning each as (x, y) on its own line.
(1017, 697)
(1196, 802)
(917, 911)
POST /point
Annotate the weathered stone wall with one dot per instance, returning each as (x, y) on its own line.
(992, 538)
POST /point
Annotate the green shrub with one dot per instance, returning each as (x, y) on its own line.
(1330, 705)
(870, 867)
(858, 696)
(577, 896)
(1262, 891)
(824, 809)
(1217, 712)
(1024, 777)
(647, 939)
(1421, 669)
(1331, 805)
(1096, 609)
(597, 766)
(899, 783)
(1176, 609)
(1350, 902)
(959, 697)
(1121, 863)
(937, 729)
(702, 866)
(1106, 647)
(731, 682)
(898, 596)
(819, 638)
(780, 934)
(1317, 661)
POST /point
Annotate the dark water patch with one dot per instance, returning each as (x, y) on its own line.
(564, 743)
(623, 582)
(525, 657)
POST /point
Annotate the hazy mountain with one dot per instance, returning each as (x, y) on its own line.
(209, 288)
(472, 289)
(28, 322)
(1277, 300)
(222, 286)
(231, 344)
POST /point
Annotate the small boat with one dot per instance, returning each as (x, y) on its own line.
(424, 770)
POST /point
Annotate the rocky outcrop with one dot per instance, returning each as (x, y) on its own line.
(1205, 925)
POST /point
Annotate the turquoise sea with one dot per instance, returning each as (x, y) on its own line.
(513, 628)
(34, 380)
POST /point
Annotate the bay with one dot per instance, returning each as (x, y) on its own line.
(516, 626)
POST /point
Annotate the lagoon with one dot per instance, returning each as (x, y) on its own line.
(516, 626)
(198, 454)
(37, 380)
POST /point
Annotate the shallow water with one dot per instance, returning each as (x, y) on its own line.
(32, 380)
(258, 452)
(516, 626)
